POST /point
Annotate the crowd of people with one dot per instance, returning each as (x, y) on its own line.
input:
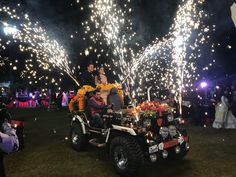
(30, 98)
(214, 106)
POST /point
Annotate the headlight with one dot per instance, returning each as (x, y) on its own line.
(147, 123)
(172, 130)
(164, 131)
(170, 117)
(180, 120)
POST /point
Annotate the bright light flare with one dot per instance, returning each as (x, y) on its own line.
(203, 84)
(10, 30)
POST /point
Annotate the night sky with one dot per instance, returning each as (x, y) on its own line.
(152, 18)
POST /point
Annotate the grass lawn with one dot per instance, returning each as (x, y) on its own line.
(47, 153)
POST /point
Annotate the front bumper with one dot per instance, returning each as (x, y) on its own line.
(168, 144)
(175, 142)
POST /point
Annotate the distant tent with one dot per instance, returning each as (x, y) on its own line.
(5, 84)
(233, 13)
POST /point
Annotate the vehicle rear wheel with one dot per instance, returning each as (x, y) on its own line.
(78, 140)
(126, 155)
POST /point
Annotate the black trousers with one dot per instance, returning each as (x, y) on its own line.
(97, 120)
(2, 170)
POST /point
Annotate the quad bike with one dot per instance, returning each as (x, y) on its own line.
(130, 136)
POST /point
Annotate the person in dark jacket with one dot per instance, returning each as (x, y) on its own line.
(97, 107)
(114, 99)
(88, 77)
(59, 101)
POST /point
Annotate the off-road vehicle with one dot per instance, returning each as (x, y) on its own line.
(149, 130)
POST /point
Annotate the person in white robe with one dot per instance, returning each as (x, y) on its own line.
(230, 120)
(221, 109)
(224, 117)
(64, 99)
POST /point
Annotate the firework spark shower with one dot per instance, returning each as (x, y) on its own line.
(109, 25)
(167, 62)
(32, 38)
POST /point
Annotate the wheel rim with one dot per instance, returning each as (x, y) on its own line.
(120, 157)
(75, 137)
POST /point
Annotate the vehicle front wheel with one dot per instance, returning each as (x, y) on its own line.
(126, 155)
(78, 140)
(183, 152)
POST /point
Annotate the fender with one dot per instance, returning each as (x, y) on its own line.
(77, 117)
(124, 129)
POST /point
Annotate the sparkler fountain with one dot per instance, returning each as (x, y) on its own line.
(32, 38)
(167, 62)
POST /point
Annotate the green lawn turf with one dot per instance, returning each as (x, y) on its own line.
(47, 153)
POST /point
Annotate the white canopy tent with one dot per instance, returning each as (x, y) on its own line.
(5, 84)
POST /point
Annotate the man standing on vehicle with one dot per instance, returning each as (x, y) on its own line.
(88, 85)
(88, 77)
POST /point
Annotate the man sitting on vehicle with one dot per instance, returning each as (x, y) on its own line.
(97, 107)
